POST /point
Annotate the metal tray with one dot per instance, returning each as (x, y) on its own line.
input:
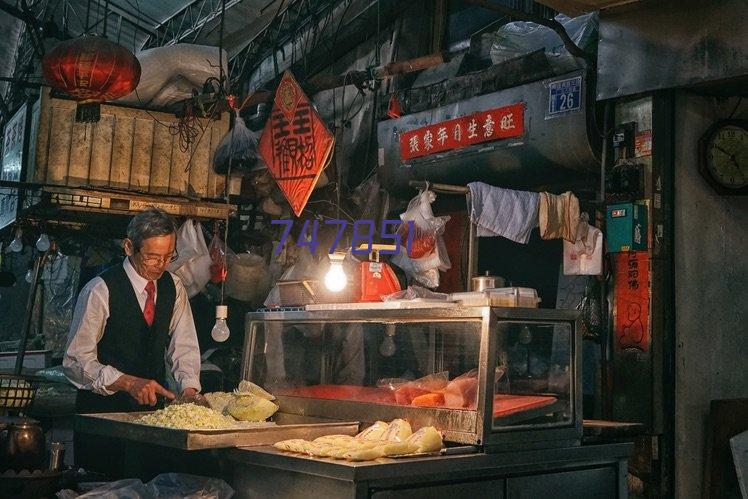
(121, 425)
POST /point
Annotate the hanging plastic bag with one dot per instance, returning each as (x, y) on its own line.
(193, 264)
(219, 256)
(248, 279)
(237, 148)
(585, 255)
(427, 254)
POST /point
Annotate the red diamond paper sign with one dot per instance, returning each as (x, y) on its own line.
(295, 144)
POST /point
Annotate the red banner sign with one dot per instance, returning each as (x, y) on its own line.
(484, 126)
(295, 143)
(631, 312)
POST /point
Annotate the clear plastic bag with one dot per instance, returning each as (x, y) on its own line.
(182, 485)
(520, 37)
(432, 383)
(239, 148)
(248, 279)
(221, 258)
(164, 486)
(414, 292)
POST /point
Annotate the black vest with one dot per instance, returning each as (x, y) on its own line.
(128, 343)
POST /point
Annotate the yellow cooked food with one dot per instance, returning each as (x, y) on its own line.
(251, 408)
(379, 440)
(219, 401)
(398, 431)
(373, 432)
(188, 417)
(247, 387)
(427, 439)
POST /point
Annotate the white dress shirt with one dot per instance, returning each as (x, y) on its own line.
(80, 362)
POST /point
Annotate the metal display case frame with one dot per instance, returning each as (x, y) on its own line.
(474, 427)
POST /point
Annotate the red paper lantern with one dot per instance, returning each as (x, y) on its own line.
(92, 70)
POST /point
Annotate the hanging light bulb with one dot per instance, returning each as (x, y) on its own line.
(387, 348)
(335, 279)
(220, 332)
(17, 244)
(30, 276)
(43, 243)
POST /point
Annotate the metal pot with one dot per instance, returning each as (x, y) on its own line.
(21, 444)
(487, 281)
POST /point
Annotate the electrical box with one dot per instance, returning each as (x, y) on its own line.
(626, 227)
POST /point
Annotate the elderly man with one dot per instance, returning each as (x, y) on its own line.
(128, 322)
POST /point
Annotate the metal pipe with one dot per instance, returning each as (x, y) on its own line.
(29, 312)
(472, 269)
(444, 188)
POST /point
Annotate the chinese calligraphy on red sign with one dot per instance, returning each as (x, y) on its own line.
(484, 126)
(631, 314)
(295, 144)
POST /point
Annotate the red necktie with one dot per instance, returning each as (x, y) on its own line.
(149, 311)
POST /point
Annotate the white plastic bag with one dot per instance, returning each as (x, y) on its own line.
(170, 74)
(585, 255)
(248, 279)
(193, 264)
(428, 253)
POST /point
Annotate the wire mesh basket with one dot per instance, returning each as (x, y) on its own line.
(17, 392)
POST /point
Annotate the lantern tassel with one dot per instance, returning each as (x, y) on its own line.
(88, 112)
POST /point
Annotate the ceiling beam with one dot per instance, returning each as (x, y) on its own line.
(188, 21)
(137, 22)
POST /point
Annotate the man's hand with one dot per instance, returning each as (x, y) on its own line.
(142, 390)
(189, 393)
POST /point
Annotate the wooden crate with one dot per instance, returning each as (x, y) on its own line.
(124, 203)
(129, 149)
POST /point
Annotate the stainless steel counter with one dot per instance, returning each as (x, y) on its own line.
(592, 471)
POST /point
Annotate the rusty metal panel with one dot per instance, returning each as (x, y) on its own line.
(130, 149)
(671, 44)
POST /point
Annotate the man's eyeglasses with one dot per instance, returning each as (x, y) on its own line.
(158, 260)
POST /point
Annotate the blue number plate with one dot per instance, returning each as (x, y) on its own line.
(564, 95)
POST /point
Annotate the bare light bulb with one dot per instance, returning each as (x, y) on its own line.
(43, 243)
(29, 276)
(220, 331)
(17, 244)
(387, 348)
(335, 279)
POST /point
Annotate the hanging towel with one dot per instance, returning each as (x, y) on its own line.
(558, 216)
(503, 212)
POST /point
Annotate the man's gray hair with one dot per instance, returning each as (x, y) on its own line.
(150, 223)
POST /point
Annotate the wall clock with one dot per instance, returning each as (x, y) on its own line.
(723, 156)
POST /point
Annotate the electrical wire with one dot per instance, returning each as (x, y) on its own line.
(737, 104)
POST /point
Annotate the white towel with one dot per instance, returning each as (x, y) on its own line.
(503, 212)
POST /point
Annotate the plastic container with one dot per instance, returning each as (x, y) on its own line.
(498, 297)
(513, 297)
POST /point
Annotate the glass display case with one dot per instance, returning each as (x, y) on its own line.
(501, 378)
